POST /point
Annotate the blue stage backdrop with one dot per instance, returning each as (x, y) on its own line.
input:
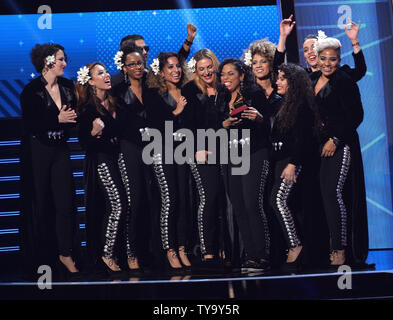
(375, 37)
(96, 36)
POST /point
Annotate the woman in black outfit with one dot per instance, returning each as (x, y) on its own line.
(166, 77)
(246, 191)
(105, 194)
(341, 171)
(291, 149)
(204, 102)
(356, 73)
(131, 99)
(48, 211)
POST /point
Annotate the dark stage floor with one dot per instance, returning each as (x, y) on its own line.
(372, 282)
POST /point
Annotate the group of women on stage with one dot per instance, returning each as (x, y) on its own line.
(302, 135)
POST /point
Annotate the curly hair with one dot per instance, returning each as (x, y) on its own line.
(300, 92)
(85, 93)
(131, 48)
(205, 54)
(265, 49)
(41, 51)
(158, 81)
(249, 79)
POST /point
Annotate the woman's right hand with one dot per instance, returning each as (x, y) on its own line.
(201, 156)
(98, 126)
(180, 106)
(67, 115)
(230, 122)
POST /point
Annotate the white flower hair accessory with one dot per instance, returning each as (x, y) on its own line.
(117, 59)
(50, 60)
(321, 35)
(322, 42)
(191, 64)
(248, 58)
(83, 75)
(155, 66)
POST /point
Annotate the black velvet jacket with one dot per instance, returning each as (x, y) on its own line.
(40, 112)
(340, 105)
(132, 114)
(109, 141)
(294, 143)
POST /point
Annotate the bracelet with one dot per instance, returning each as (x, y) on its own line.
(189, 43)
(355, 44)
(335, 140)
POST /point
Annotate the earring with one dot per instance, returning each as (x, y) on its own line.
(126, 80)
(241, 86)
(94, 90)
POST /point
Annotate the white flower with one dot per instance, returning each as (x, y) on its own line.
(248, 58)
(117, 59)
(155, 66)
(50, 60)
(191, 64)
(83, 75)
(321, 35)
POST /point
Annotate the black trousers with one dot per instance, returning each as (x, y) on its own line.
(135, 180)
(174, 214)
(207, 178)
(111, 185)
(246, 193)
(52, 176)
(280, 197)
(333, 174)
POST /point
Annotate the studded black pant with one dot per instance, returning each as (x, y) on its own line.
(333, 174)
(111, 185)
(246, 193)
(280, 196)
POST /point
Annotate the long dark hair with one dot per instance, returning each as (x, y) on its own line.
(157, 81)
(249, 79)
(300, 92)
(85, 94)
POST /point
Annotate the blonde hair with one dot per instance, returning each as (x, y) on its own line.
(208, 54)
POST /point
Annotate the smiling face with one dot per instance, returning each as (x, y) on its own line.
(309, 53)
(329, 61)
(260, 66)
(231, 78)
(172, 70)
(206, 71)
(134, 66)
(100, 78)
(282, 83)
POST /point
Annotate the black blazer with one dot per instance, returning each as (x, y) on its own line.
(40, 112)
(340, 106)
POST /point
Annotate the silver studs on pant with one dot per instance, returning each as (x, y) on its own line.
(340, 186)
(165, 199)
(116, 209)
(281, 201)
(126, 183)
(201, 207)
(264, 174)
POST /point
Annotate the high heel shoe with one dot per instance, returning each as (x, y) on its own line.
(173, 270)
(187, 268)
(294, 266)
(107, 270)
(136, 272)
(67, 275)
(337, 259)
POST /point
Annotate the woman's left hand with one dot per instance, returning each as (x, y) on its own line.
(286, 26)
(289, 174)
(252, 114)
(328, 149)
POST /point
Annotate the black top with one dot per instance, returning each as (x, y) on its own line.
(40, 112)
(259, 132)
(131, 112)
(109, 141)
(295, 142)
(356, 73)
(341, 108)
